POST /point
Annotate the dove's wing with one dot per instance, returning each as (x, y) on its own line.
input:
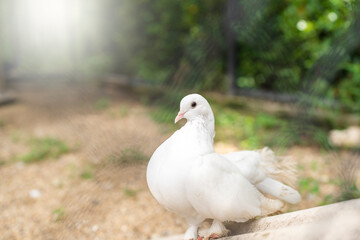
(217, 190)
(263, 170)
(248, 162)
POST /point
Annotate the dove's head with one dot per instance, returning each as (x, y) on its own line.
(195, 107)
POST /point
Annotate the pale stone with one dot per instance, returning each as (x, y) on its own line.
(331, 222)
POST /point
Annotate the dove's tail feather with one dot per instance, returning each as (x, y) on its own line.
(279, 190)
(269, 206)
(282, 169)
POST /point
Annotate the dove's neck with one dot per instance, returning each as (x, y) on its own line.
(205, 121)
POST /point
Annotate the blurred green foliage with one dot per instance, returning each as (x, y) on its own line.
(349, 89)
(283, 46)
(246, 129)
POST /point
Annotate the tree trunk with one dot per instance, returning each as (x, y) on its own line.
(231, 46)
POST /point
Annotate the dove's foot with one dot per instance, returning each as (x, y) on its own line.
(211, 236)
(217, 230)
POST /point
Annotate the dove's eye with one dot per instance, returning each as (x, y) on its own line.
(193, 104)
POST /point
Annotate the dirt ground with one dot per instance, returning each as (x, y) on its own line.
(51, 199)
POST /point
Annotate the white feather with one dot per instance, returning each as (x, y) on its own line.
(260, 166)
(279, 190)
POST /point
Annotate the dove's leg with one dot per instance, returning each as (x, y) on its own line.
(191, 233)
(217, 230)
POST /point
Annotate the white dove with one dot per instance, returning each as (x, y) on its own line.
(187, 176)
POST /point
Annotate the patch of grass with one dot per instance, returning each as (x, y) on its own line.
(246, 129)
(129, 156)
(349, 191)
(300, 167)
(87, 173)
(2, 123)
(268, 121)
(102, 104)
(130, 192)
(73, 168)
(124, 111)
(314, 165)
(2, 162)
(315, 188)
(328, 199)
(237, 128)
(336, 182)
(44, 148)
(58, 214)
(233, 127)
(252, 142)
(15, 137)
(309, 185)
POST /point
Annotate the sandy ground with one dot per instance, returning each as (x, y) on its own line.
(114, 203)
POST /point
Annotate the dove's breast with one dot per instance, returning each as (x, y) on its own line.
(168, 169)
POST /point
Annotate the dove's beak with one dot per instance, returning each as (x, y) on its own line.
(179, 116)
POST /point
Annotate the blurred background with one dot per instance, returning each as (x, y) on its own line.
(89, 89)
